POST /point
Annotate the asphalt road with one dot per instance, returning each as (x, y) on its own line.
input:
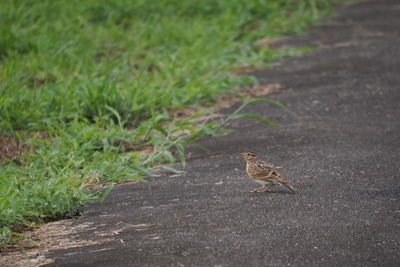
(342, 154)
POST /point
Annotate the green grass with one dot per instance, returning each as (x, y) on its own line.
(99, 77)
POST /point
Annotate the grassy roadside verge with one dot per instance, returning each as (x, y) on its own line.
(99, 78)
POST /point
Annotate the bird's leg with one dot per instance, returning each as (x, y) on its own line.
(266, 189)
(258, 189)
(262, 189)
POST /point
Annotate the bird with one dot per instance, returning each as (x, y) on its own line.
(263, 173)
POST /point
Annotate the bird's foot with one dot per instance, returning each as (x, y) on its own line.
(260, 189)
(265, 190)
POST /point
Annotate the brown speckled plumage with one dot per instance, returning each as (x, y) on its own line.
(264, 173)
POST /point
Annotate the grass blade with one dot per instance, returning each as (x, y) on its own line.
(172, 169)
(252, 116)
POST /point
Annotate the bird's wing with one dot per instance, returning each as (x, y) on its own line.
(261, 170)
(268, 173)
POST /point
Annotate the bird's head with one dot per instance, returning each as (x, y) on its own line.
(248, 155)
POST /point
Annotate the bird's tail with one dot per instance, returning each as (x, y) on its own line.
(290, 187)
(294, 190)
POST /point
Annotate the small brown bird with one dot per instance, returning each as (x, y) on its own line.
(263, 173)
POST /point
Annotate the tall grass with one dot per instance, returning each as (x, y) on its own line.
(99, 77)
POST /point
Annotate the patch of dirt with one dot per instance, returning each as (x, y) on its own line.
(273, 43)
(62, 234)
(227, 100)
(54, 235)
(37, 82)
(246, 69)
(12, 148)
